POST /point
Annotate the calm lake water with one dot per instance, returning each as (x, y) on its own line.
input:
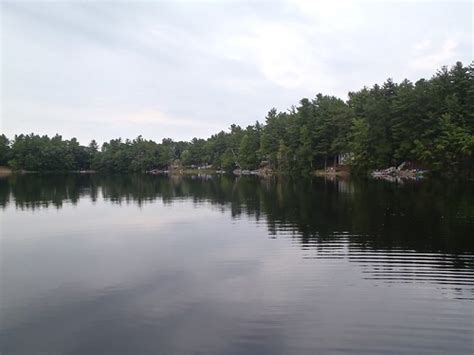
(156, 265)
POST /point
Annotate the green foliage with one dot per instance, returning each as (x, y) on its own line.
(451, 149)
(249, 146)
(4, 150)
(360, 144)
(41, 153)
(429, 122)
(282, 157)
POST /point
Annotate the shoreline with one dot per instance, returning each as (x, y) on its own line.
(328, 173)
(5, 171)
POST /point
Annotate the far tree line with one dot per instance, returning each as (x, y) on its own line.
(429, 123)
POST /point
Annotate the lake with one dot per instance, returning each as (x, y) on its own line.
(94, 264)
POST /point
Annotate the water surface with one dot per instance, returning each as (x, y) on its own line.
(147, 265)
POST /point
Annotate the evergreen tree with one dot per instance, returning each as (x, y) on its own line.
(430, 123)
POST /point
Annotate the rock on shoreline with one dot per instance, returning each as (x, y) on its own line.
(399, 172)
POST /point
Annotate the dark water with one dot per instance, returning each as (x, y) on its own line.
(150, 265)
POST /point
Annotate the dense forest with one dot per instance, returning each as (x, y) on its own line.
(429, 123)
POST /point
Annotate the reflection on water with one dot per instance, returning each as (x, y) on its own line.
(146, 264)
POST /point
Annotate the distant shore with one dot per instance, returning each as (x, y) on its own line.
(341, 172)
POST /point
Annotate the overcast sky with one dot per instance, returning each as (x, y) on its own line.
(92, 69)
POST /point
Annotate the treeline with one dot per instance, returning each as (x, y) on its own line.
(429, 123)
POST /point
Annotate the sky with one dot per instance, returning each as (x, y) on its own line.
(183, 69)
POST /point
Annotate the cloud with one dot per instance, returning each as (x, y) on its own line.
(156, 117)
(182, 69)
(431, 59)
(284, 53)
(331, 16)
(423, 45)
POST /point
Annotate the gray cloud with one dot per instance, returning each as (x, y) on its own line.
(183, 69)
